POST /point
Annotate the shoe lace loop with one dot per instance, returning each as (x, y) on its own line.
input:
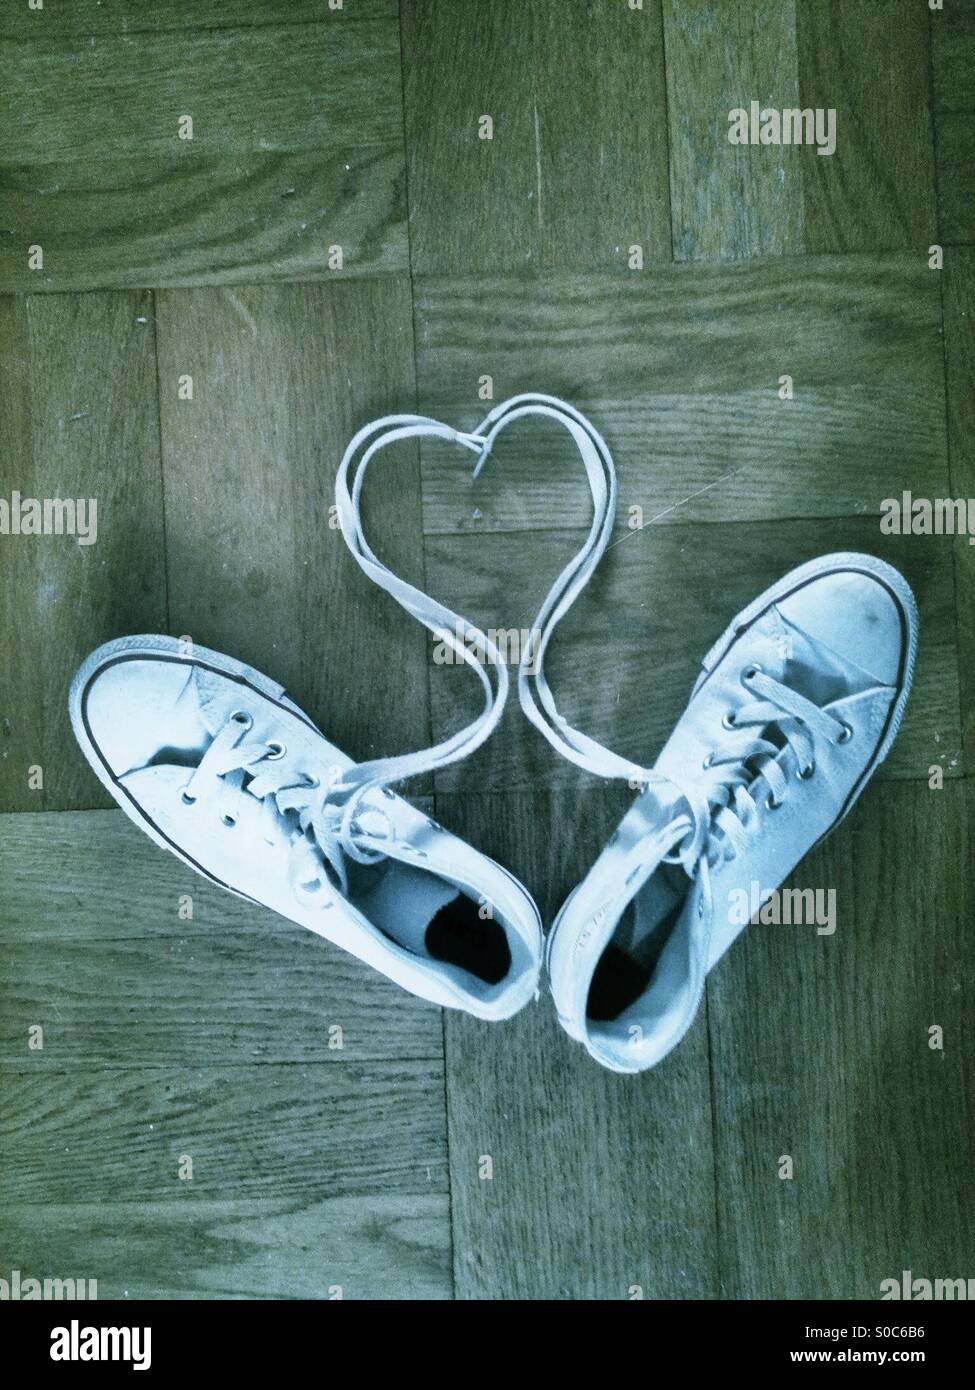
(325, 827)
(725, 808)
(466, 640)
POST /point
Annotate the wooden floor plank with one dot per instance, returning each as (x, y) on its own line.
(953, 79)
(729, 200)
(392, 1245)
(21, 712)
(602, 1185)
(295, 165)
(282, 378)
(279, 89)
(959, 315)
(203, 219)
(959, 309)
(952, 54)
(296, 1132)
(870, 63)
(104, 958)
(820, 1052)
(81, 421)
(956, 177)
(82, 18)
(575, 173)
(680, 368)
(623, 662)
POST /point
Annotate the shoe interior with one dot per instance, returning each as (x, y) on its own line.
(459, 936)
(626, 967)
(432, 918)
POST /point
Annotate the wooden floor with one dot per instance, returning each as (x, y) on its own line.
(335, 242)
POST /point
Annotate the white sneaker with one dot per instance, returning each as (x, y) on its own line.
(797, 704)
(215, 763)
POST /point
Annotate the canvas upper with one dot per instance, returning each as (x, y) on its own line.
(215, 763)
(796, 705)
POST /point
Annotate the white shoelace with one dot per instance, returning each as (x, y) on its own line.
(329, 817)
(235, 767)
(534, 693)
(734, 768)
(467, 641)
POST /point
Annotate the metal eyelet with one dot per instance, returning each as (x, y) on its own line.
(804, 773)
(771, 804)
(276, 750)
(728, 721)
(707, 761)
(750, 672)
(229, 821)
(846, 733)
(241, 717)
(186, 799)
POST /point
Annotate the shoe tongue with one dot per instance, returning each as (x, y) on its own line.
(661, 813)
(210, 692)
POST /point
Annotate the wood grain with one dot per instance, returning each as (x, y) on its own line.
(624, 660)
(820, 1052)
(295, 1132)
(297, 148)
(956, 177)
(276, 89)
(80, 18)
(81, 421)
(680, 368)
(283, 376)
(953, 76)
(870, 62)
(384, 1246)
(959, 309)
(602, 1184)
(101, 956)
(952, 51)
(202, 219)
(576, 171)
(313, 1167)
(731, 201)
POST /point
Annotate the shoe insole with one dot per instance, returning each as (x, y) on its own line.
(626, 966)
(617, 983)
(459, 936)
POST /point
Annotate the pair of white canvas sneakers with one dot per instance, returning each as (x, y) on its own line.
(797, 703)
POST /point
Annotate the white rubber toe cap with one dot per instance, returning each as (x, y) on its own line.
(131, 711)
(854, 615)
